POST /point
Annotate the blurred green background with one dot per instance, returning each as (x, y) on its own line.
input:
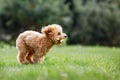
(87, 22)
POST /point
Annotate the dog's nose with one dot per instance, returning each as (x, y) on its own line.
(65, 36)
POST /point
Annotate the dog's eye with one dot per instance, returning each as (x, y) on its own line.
(59, 33)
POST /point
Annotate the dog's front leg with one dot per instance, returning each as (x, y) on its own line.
(42, 59)
(36, 58)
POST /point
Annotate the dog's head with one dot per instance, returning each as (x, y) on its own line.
(55, 33)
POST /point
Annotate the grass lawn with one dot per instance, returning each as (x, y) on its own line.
(64, 63)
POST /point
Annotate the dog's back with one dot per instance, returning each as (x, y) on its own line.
(28, 37)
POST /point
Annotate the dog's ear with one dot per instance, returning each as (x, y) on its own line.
(46, 30)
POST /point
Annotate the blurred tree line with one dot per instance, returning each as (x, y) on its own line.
(87, 22)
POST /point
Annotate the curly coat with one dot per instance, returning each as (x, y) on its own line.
(33, 46)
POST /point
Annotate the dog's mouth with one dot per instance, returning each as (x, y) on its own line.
(60, 41)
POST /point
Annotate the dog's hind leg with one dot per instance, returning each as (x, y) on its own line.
(21, 58)
(29, 57)
(22, 53)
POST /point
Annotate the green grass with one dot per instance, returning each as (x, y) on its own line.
(64, 63)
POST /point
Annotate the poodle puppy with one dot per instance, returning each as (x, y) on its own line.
(33, 46)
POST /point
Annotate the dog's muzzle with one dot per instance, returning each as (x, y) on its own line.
(60, 40)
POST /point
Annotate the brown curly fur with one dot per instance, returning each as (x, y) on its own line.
(33, 46)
